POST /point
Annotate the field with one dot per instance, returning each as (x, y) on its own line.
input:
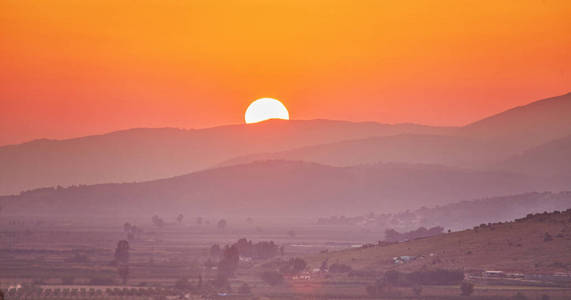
(53, 258)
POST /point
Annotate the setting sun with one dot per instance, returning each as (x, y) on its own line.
(265, 109)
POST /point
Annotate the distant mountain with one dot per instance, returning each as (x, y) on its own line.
(448, 150)
(551, 160)
(145, 154)
(483, 145)
(276, 188)
(460, 215)
(525, 126)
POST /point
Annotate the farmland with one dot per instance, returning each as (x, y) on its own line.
(73, 258)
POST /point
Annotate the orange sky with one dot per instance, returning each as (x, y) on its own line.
(73, 68)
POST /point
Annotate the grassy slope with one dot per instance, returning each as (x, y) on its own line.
(517, 246)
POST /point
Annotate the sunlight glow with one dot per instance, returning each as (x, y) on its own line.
(265, 109)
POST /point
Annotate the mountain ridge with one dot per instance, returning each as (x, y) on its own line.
(278, 186)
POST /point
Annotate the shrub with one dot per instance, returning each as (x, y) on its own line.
(244, 289)
(547, 237)
(272, 277)
(466, 288)
(293, 266)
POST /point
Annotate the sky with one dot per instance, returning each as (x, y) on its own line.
(75, 68)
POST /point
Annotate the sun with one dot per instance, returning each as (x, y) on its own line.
(265, 109)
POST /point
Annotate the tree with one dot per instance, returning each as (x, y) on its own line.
(179, 218)
(466, 288)
(215, 251)
(229, 262)
(323, 266)
(127, 227)
(131, 230)
(158, 221)
(122, 259)
(222, 224)
(293, 266)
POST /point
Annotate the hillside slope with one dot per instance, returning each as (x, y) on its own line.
(519, 246)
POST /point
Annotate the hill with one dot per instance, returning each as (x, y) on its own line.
(483, 144)
(447, 150)
(279, 188)
(551, 160)
(460, 215)
(534, 244)
(146, 154)
(525, 126)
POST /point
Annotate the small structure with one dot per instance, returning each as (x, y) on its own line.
(245, 259)
(302, 276)
(403, 259)
(493, 274)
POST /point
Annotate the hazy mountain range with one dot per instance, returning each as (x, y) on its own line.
(459, 215)
(279, 188)
(248, 169)
(145, 154)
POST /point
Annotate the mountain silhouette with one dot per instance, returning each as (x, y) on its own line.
(148, 154)
(551, 160)
(483, 145)
(145, 154)
(456, 151)
(282, 188)
(525, 126)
